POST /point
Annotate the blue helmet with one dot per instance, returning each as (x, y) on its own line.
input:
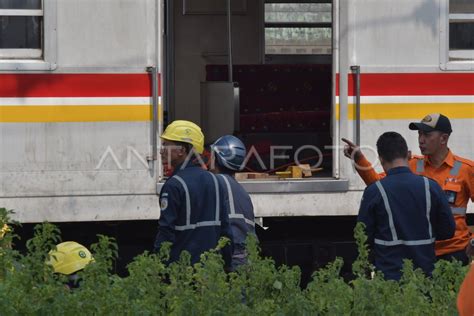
(230, 152)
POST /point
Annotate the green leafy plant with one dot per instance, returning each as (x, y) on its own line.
(28, 286)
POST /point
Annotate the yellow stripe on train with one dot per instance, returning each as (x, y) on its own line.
(76, 113)
(395, 111)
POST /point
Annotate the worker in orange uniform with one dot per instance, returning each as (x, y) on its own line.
(454, 174)
(466, 292)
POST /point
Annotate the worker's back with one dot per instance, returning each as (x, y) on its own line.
(196, 212)
(241, 215)
(405, 213)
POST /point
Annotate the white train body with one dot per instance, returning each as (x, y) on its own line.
(78, 133)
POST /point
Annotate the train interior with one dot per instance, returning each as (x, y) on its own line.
(270, 82)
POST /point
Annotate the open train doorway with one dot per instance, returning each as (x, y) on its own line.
(280, 64)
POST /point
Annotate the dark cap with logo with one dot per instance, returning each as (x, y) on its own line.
(433, 122)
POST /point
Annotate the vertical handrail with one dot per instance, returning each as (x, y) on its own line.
(229, 38)
(335, 117)
(356, 71)
(154, 119)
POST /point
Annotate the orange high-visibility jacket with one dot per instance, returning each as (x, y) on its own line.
(466, 295)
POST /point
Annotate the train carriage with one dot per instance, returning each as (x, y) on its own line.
(87, 86)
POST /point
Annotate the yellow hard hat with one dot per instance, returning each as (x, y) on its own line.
(5, 229)
(69, 257)
(186, 132)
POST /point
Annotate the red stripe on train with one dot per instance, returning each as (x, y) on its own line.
(393, 84)
(76, 85)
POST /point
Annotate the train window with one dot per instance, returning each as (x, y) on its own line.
(461, 30)
(298, 27)
(20, 4)
(21, 29)
(28, 35)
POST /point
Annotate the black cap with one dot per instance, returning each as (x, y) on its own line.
(433, 122)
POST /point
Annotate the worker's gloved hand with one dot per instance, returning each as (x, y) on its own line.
(351, 150)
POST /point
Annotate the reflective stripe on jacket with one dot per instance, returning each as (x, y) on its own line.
(241, 216)
(194, 213)
(456, 178)
(404, 214)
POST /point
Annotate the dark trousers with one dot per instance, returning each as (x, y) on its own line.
(458, 255)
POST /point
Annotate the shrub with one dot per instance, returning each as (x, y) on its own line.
(29, 287)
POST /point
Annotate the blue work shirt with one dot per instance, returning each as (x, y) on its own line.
(194, 213)
(241, 216)
(404, 214)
